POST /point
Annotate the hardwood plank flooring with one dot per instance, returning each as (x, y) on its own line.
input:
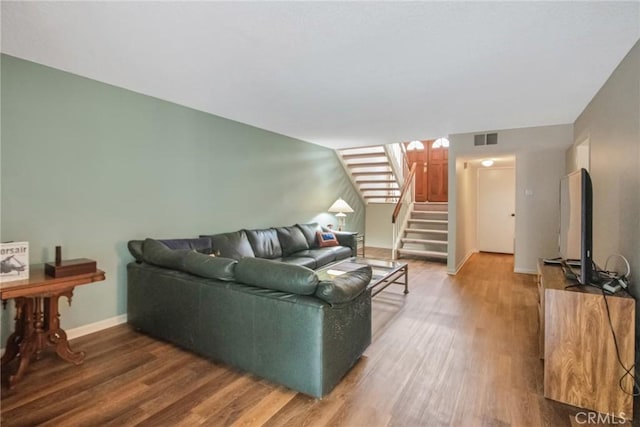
(456, 351)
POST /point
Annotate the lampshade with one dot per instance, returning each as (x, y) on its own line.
(340, 206)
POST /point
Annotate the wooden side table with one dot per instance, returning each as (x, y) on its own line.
(38, 319)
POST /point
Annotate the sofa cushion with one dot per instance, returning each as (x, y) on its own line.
(309, 231)
(157, 253)
(326, 239)
(321, 255)
(291, 240)
(135, 248)
(341, 252)
(345, 287)
(299, 260)
(265, 243)
(276, 275)
(233, 245)
(209, 266)
(199, 244)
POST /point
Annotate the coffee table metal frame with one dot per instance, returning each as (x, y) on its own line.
(396, 273)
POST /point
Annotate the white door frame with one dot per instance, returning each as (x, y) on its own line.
(478, 204)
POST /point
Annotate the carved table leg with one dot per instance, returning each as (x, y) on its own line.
(27, 350)
(57, 336)
(13, 343)
(29, 342)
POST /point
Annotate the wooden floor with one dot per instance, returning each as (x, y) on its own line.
(456, 351)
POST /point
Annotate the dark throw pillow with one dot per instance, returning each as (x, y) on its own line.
(231, 245)
(309, 231)
(157, 253)
(292, 240)
(326, 239)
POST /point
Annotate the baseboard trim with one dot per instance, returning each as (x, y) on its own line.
(464, 261)
(525, 270)
(92, 327)
(96, 326)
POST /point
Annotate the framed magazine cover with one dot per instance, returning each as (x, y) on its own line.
(14, 261)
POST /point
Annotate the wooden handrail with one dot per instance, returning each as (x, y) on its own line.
(405, 185)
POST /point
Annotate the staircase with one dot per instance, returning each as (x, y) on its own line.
(371, 173)
(426, 232)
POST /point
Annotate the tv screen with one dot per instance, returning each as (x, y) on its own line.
(576, 211)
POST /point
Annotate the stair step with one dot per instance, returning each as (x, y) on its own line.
(382, 190)
(368, 173)
(435, 254)
(431, 206)
(429, 212)
(422, 230)
(363, 155)
(386, 198)
(423, 241)
(432, 203)
(368, 164)
(376, 181)
(366, 149)
(428, 221)
(380, 196)
(368, 188)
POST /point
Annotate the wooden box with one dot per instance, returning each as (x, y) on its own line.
(70, 267)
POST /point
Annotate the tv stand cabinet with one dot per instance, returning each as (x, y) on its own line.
(580, 363)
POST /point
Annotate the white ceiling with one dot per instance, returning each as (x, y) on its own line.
(341, 73)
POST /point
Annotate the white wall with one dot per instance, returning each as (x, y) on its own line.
(378, 230)
(540, 159)
(611, 121)
(538, 175)
(466, 196)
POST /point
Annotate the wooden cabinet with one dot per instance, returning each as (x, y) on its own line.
(581, 367)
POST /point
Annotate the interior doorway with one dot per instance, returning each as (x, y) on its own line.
(583, 155)
(496, 209)
(438, 170)
(417, 153)
(432, 167)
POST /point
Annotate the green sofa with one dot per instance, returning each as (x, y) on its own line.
(271, 318)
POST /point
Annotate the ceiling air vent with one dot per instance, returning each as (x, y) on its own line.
(479, 139)
(492, 138)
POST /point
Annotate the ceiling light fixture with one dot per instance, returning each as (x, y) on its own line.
(487, 163)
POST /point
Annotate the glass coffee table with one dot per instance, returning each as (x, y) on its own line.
(384, 273)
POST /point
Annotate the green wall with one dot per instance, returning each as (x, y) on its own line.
(90, 166)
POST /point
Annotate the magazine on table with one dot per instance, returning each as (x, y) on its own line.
(14, 261)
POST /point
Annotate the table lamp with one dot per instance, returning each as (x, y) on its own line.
(341, 208)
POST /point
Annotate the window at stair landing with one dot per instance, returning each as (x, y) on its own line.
(415, 145)
(440, 142)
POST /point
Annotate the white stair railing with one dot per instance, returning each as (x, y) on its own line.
(397, 160)
(402, 211)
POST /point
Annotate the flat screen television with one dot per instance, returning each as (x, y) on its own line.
(576, 219)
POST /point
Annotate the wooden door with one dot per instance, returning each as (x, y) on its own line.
(419, 156)
(496, 209)
(438, 173)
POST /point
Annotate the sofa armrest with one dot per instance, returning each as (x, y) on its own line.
(345, 238)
